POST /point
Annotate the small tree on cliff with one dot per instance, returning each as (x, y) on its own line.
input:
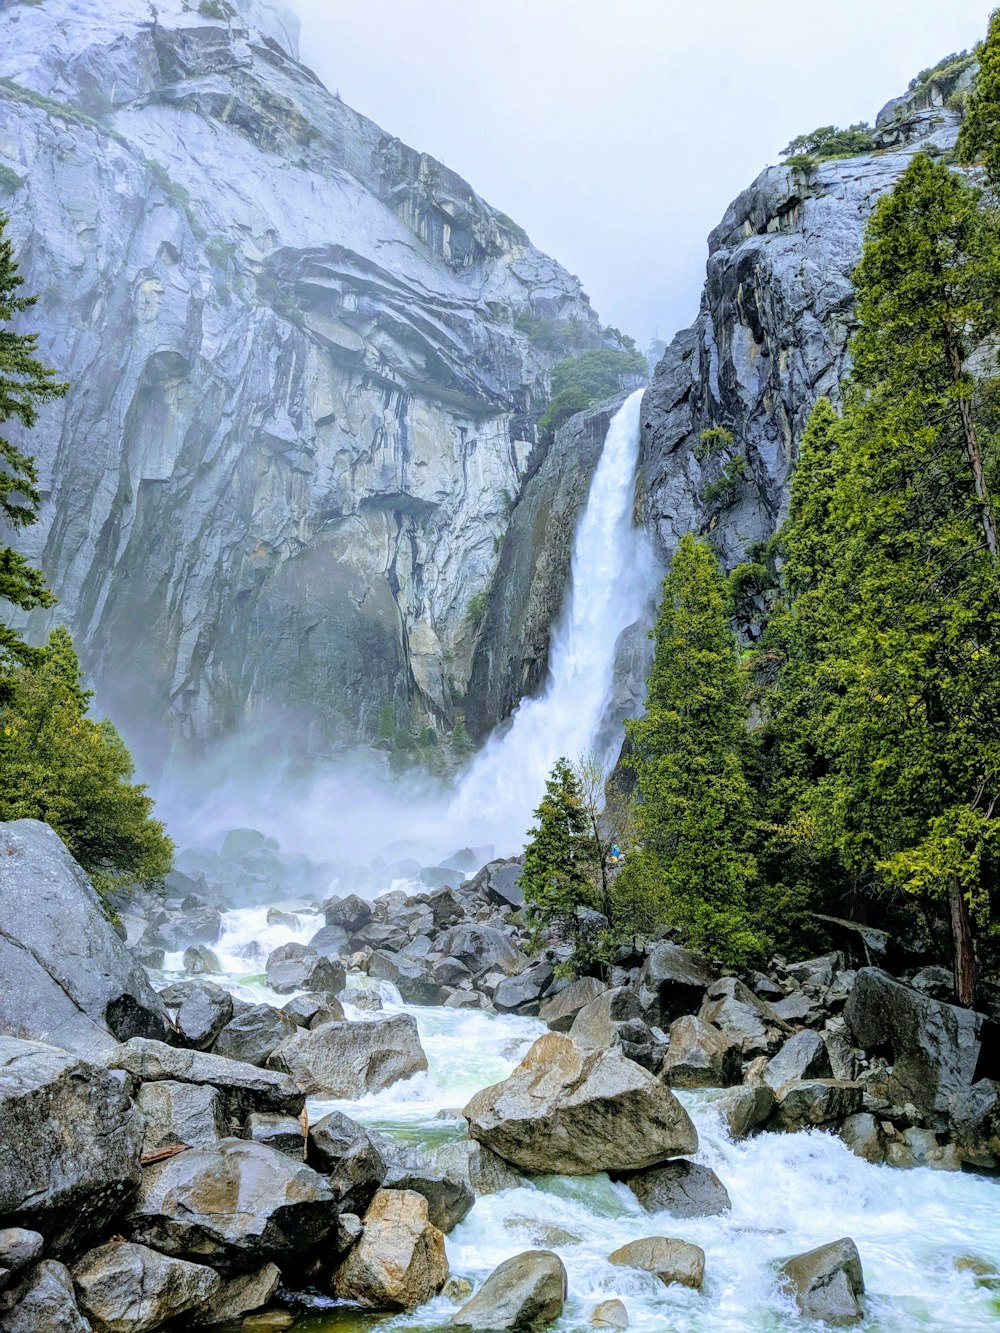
(25, 383)
(695, 815)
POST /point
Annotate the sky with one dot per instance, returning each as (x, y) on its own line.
(616, 131)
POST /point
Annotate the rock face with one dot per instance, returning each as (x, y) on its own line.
(826, 1282)
(568, 1111)
(771, 335)
(399, 1262)
(524, 1293)
(349, 1059)
(322, 377)
(65, 976)
(127, 1288)
(70, 1144)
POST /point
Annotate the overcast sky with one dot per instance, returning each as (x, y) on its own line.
(616, 131)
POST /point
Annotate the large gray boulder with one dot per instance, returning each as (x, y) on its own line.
(481, 949)
(569, 1111)
(975, 1119)
(933, 1048)
(560, 1010)
(203, 1012)
(803, 1055)
(70, 1144)
(681, 1188)
(43, 1301)
(826, 1282)
(399, 1261)
(816, 1102)
(235, 1297)
(351, 1158)
(294, 966)
(65, 976)
(126, 1288)
(733, 1008)
(187, 1114)
(483, 1170)
(524, 1293)
(667, 1258)
(234, 1205)
(350, 1059)
(699, 1055)
(673, 982)
(244, 1087)
(253, 1033)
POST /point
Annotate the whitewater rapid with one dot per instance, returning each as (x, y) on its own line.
(790, 1192)
(610, 574)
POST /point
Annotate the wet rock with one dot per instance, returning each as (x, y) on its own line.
(19, 1248)
(399, 1261)
(350, 913)
(816, 1102)
(65, 976)
(351, 1159)
(43, 1301)
(559, 1010)
(700, 1056)
(802, 1056)
(975, 1117)
(236, 1297)
(610, 1314)
(331, 942)
(204, 1011)
(413, 980)
(673, 982)
(668, 1259)
(244, 1087)
(863, 946)
(70, 1144)
(815, 972)
(254, 1033)
(446, 907)
(525, 1293)
(920, 1147)
(596, 1025)
(350, 1059)
(826, 1282)
(482, 1169)
(800, 1009)
(293, 967)
(524, 992)
(308, 1011)
(681, 1188)
(449, 1198)
(283, 1133)
(201, 925)
(933, 1048)
(734, 1009)
(937, 982)
(568, 1111)
(234, 1205)
(180, 1113)
(276, 917)
(367, 1000)
(503, 884)
(745, 1108)
(201, 961)
(481, 949)
(126, 1288)
(864, 1136)
(449, 971)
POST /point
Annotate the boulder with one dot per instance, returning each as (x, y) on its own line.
(481, 949)
(567, 1111)
(236, 1297)
(413, 979)
(482, 1169)
(503, 884)
(975, 1117)
(70, 1144)
(445, 907)
(560, 1009)
(449, 1198)
(700, 1056)
(800, 1009)
(244, 1088)
(254, 1033)
(864, 1136)
(933, 1049)
(234, 1205)
(331, 942)
(309, 1011)
(668, 1259)
(350, 913)
(673, 982)
(350, 1059)
(596, 1025)
(201, 925)
(802, 1056)
(399, 1262)
(351, 1159)
(610, 1314)
(681, 1188)
(65, 976)
(203, 1012)
(293, 967)
(745, 1108)
(816, 1102)
(283, 1133)
(42, 1302)
(524, 1293)
(826, 1282)
(861, 945)
(202, 961)
(19, 1248)
(524, 992)
(735, 1010)
(180, 1113)
(126, 1288)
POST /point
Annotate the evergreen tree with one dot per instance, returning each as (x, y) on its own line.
(556, 876)
(979, 137)
(62, 767)
(695, 814)
(25, 383)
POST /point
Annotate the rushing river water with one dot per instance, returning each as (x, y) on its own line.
(789, 1192)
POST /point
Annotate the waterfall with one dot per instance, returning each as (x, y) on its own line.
(609, 584)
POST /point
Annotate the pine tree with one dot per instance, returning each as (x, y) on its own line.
(25, 383)
(556, 876)
(979, 137)
(696, 814)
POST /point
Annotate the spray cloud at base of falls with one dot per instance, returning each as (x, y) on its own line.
(609, 586)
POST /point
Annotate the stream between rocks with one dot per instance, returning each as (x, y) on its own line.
(790, 1192)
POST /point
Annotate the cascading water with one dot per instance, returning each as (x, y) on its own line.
(609, 585)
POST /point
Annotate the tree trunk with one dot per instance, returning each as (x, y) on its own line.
(972, 450)
(961, 934)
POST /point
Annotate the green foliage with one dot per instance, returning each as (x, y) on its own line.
(62, 767)
(459, 741)
(216, 9)
(979, 137)
(514, 229)
(725, 490)
(277, 295)
(829, 141)
(949, 67)
(715, 440)
(10, 181)
(25, 384)
(801, 162)
(578, 382)
(556, 876)
(475, 612)
(696, 813)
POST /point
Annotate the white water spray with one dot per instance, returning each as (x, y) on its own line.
(609, 583)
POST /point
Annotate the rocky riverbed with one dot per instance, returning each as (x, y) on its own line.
(316, 1096)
